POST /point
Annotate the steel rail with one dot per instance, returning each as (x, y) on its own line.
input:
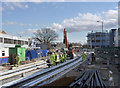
(89, 79)
(19, 69)
(81, 74)
(44, 74)
(43, 78)
(92, 82)
(78, 82)
(59, 75)
(100, 79)
(26, 69)
(76, 79)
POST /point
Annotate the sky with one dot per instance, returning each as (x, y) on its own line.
(79, 18)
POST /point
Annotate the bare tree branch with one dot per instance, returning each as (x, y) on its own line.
(46, 35)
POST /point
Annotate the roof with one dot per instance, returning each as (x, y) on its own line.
(3, 32)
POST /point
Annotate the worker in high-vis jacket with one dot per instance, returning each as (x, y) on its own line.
(61, 58)
(65, 57)
(83, 56)
(18, 60)
(56, 58)
(52, 58)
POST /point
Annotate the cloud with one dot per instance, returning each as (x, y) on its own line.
(26, 6)
(20, 24)
(111, 14)
(57, 27)
(13, 5)
(27, 32)
(88, 21)
(85, 22)
(9, 23)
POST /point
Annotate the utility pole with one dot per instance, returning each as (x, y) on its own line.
(102, 32)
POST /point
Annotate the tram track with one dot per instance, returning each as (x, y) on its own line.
(8, 76)
(46, 74)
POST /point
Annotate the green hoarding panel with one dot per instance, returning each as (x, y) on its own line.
(15, 51)
(12, 52)
(21, 52)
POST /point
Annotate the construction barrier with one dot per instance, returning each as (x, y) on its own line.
(38, 53)
(43, 53)
(8, 55)
(30, 54)
(3, 60)
(15, 51)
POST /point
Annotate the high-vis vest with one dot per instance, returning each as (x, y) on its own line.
(52, 57)
(18, 60)
(83, 56)
(60, 57)
(56, 58)
(65, 57)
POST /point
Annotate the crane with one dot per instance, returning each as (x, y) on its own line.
(68, 46)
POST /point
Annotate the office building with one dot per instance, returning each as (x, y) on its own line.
(113, 37)
(98, 39)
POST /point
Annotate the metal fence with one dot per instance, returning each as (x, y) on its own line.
(112, 54)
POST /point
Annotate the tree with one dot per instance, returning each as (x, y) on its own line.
(46, 35)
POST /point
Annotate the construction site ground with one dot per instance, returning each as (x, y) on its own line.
(68, 78)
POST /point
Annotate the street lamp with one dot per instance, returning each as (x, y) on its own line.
(102, 25)
(102, 31)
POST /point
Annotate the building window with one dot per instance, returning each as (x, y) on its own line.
(97, 40)
(97, 35)
(103, 40)
(1, 39)
(93, 46)
(8, 41)
(15, 41)
(22, 42)
(26, 43)
(5, 40)
(19, 42)
(3, 53)
(93, 40)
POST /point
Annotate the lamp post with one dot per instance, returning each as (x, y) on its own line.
(102, 31)
(91, 42)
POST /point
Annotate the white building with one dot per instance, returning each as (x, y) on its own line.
(10, 41)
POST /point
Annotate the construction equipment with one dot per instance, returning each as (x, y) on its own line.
(69, 49)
